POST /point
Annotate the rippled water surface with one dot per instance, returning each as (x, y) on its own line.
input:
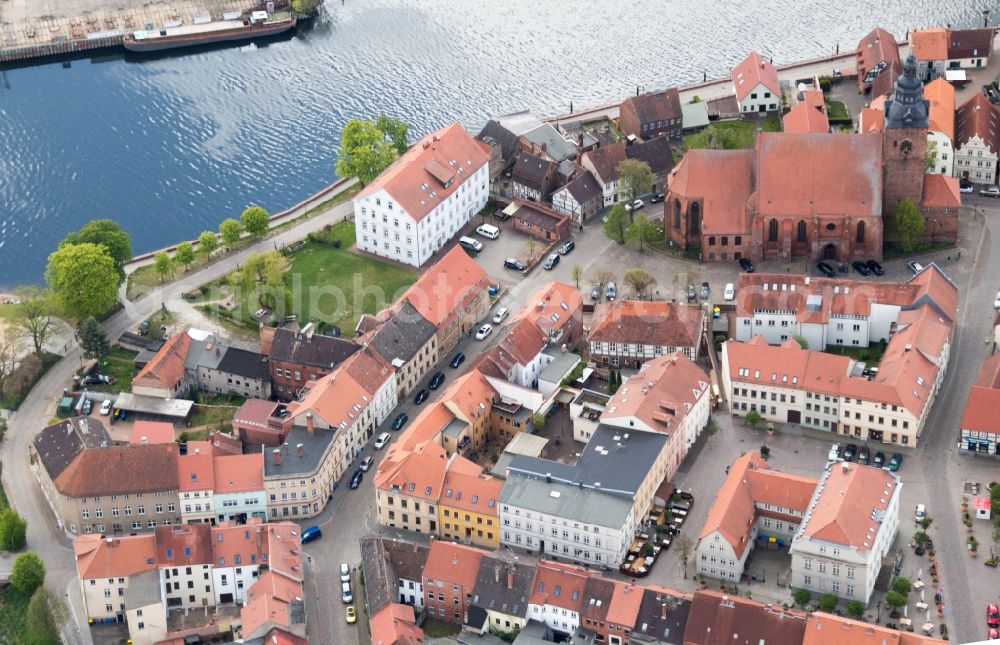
(172, 146)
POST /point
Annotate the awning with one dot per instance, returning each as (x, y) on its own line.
(955, 75)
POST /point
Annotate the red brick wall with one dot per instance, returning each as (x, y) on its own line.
(284, 387)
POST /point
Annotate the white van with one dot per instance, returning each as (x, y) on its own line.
(487, 230)
(470, 244)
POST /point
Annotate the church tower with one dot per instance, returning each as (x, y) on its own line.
(904, 140)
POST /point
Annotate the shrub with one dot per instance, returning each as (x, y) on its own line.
(28, 573)
(828, 602)
(802, 597)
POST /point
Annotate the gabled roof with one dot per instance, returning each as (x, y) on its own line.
(239, 544)
(663, 614)
(879, 46)
(788, 365)
(152, 432)
(827, 629)
(661, 394)
(166, 368)
(59, 444)
(819, 174)
(941, 94)
(532, 171)
(653, 107)
(315, 350)
(99, 557)
(335, 398)
(183, 544)
(555, 304)
(977, 118)
(663, 323)
(556, 146)
(469, 395)
(560, 585)
(119, 470)
(538, 215)
(503, 587)
(848, 506)
(970, 43)
(719, 619)
(751, 481)
(241, 362)
(414, 474)
(584, 188)
(395, 624)
(453, 564)
(941, 191)
(368, 369)
(445, 288)
(274, 600)
(605, 160)
(657, 153)
(196, 469)
(723, 181)
(930, 44)
(808, 115)
(476, 493)
(625, 604)
(984, 399)
(239, 473)
(754, 71)
(402, 335)
(597, 595)
(430, 171)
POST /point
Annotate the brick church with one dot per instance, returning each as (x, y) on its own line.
(812, 196)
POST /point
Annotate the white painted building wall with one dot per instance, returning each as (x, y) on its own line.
(944, 161)
(411, 592)
(564, 620)
(566, 539)
(975, 161)
(759, 99)
(234, 579)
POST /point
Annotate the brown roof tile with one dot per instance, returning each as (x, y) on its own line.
(719, 619)
(879, 46)
(652, 323)
(119, 470)
(605, 161)
(597, 595)
(977, 118)
(184, 544)
(166, 368)
(970, 43)
(560, 585)
(652, 107)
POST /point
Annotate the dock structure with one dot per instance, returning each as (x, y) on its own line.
(30, 29)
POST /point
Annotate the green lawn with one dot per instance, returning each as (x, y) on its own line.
(205, 415)
(870, 355)
(730, 135)
(837, 111)
(440, 629)
(13, 612)
(7, 312)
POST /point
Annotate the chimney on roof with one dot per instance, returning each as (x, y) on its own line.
(427, 144)
(907, 347)
(143, 440)
(276, 457)
(496, 573)
(299, 450)
(286, 447)
(510, 576)
(663, 611)
(310, 425)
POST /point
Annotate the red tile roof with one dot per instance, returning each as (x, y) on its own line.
(984, 399)
(560, 585)
(754, 70)
(196, 469)
(930, 44)
(877, 47)
(625, 602)
(268, 602)
(239, 473)
(414, 474)
(369, 370)
(166, 368)
(819, 174)
(256, 412)
(418, 180)
(723, 181)
(183, 544)
(117, 470)
(871, 120)
(248, 541)
(720, 619)
(152, 432)
(98, 557)
(941, 191)
(663, 323)
(787, 366)
(476, 493)
(335, 399)
(842, 512)
(453, 564)
(977, 118)
(941, 95)
(827, 629)
(751, 481)
(661, 394)
(395, 624)
(809, 115)
(553, 306)
(445, 288)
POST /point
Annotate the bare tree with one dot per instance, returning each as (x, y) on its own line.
(577, 274)
(531, 249)
(34, 317)
(603, 276)
(638, 279)
(683, 547)
(8, 362)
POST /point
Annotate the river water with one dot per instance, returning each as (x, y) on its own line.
(172, 146)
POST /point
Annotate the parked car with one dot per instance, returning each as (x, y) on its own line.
(345, 572)
(106, 407)
(850, 452)
(920, 512)
(879, 460)
(488, 231)
(515, 264)
(634, 205)
(421, 396)
(834, 453)
(895, 461)
(367, 463)
(458, 359)
(356, 478)
(863, 456)
(875, 267)
(826, 269)
(382, 440)
(566, 247)
(400, 421)
(310, 534)
(729, 293)
(861, 267)
(350, 615)
(656, 198)
(705, 289)
(691, 293)
(98, 379)
(746, 265)
(345, 593)
(966, 187)
(88, 406)
(992, 615)
(992, 191)
(915, 266)
(994, 634)
(996, 302)
(551, 261)
(612, 291)
(484, 331)
(436, 380)
(595, 293)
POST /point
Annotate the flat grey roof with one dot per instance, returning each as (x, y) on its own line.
(176, 408)
(562, 364)
(313, 448)
(143, 589)
(593, 397)
(455, 427)
(565, 500)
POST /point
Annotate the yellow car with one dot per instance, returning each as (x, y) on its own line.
(350, 615)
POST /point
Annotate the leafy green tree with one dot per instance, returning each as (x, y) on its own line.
(230, 230)
(46, 612)
(765, 452)
(577, 274)
(802, 597)
(753, 418)
(93, 339)
(636, 177)
(616, 223)
(106, 233)
(640, 231)
(828, 602)
(855, 609)
(803, 343)
(931, 157)
(396, 132)
(184, 254)
(163, 264)
(28, 573)
(638, 279)
(34, 316)
(895, 599)
(306, 7)
(207, 242)
(13, 530)
(83, 279)
(255, 221)
(902, 586)
(364, 151)
(909, 224)
(538, 421)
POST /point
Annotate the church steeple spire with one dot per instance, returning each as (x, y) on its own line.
(907, 107)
